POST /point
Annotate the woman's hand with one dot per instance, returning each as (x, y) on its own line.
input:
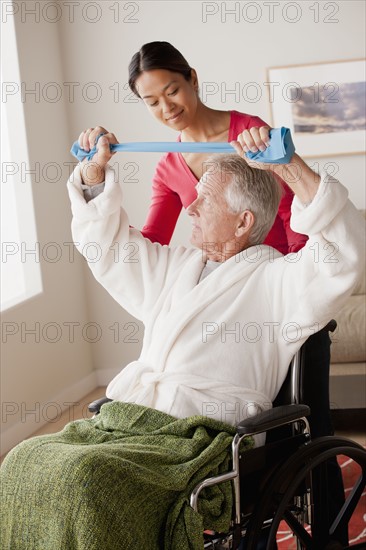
(93, 171)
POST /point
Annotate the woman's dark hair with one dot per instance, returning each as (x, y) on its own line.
(157, 55)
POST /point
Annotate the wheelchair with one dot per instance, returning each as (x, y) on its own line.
(290, 480)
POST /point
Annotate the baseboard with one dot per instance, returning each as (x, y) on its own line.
(349, 419)
(37, 418)
(104, 376)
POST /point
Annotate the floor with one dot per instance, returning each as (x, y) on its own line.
(78, 411)
(81, 411)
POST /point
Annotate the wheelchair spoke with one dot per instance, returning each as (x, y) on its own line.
(349, 506)
(306, 474)
(298, 529)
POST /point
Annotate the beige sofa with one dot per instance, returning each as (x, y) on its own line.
(348, 355)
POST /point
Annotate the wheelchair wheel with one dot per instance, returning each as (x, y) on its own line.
(300, 497)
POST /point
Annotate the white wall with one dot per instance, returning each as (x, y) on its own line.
(92, 51)
(39, 377)
(223, 53)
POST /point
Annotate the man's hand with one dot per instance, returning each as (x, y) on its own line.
(303, 181)
(93, 171)
(253, 140)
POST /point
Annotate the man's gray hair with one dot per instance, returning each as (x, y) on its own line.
(250, 189)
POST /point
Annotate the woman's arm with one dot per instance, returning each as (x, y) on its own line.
(281, 236)
(164, 209)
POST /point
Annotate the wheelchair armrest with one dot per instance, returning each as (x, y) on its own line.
(94, 407)
(273, 418)
(331, 326)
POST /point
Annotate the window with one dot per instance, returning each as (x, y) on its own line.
(20, 270)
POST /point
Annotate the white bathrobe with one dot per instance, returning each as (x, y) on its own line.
(220, 348)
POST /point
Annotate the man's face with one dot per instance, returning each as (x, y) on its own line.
(214, 226)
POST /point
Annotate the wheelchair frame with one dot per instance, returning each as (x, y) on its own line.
(288, 489)
(292, 478)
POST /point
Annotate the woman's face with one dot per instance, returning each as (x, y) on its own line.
(170, 98)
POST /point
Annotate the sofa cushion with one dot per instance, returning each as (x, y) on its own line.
(361, 286)
(347, 386)
(348, 341)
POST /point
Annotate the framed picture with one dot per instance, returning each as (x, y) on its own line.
(323, 104)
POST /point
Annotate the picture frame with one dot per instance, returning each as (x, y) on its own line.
(323, 104)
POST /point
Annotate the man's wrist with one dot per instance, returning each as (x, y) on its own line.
(92, 174)
(303, 181)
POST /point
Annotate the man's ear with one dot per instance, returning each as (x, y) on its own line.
(245, 223)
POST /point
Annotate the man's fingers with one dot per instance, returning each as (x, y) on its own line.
(103, 146)
(104, 152)
(92, 136)
(264, 134)
(84, 139)
(252, 163)
(258, 143)
(93, 170)
(87, 141)
(255, 139)
(238, 148)
(111, 137)
(243, 143)
(80, 139)
(247, 140)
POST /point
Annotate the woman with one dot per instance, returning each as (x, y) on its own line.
(162, 78)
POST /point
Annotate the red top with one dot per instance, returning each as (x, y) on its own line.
(174, 186)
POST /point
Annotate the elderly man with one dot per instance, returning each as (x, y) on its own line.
(222, 321)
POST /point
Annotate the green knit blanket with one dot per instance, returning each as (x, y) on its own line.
(121, 481)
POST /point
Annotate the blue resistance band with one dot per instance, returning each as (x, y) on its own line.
(280, 150)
